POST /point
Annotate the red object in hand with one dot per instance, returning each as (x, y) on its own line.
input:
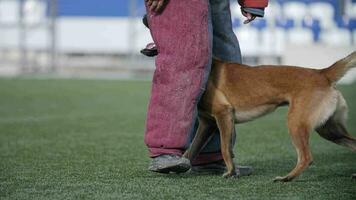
(253, 3)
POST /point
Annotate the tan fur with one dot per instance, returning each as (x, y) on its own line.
(242, 116)
(238, 93)
(324, 106)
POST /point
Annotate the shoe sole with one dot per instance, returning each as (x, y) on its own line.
(178, 168)
(149, 53)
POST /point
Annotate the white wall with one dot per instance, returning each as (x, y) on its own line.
(103, 35)
(85, 35)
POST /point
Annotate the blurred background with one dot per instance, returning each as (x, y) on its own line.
(102, 39)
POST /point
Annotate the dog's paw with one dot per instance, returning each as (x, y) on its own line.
(282, 179)
(231, 175)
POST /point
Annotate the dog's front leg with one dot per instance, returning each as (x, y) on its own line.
(226, 125)
(204, 133)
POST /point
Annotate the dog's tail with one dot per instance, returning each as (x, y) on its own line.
(336, 71)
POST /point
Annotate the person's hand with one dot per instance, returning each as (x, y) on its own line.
(250, 17)
(156, 5)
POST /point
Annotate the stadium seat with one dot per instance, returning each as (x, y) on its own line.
(283, 2)
(272, 12)
(300, 36)
(249, 40)
(273, 42)
(9, 38)
(336, 37)
(346, 23)
(259, 24)
(236, 11)
(324, 12)
(314, 26)
(284, 23)
(236, 23)
(351, 10)
(352, 24)
(38, 39)
(35, 11)
(296, 11)
(9, 11)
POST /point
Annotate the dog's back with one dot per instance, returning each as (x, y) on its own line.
(248, 87)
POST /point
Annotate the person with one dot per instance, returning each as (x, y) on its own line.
(187, 34)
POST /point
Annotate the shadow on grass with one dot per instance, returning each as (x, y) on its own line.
(326, 167)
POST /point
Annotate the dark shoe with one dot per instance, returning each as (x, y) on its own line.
(150, 50)
(169, 163)
(219, 167)
(353, 176)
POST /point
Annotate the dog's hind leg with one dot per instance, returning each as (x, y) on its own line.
(334, 129)
(226, 125)
(204, 133)
(336, 132)
(299, 130)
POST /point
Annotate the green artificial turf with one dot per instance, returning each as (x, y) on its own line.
(83, 139)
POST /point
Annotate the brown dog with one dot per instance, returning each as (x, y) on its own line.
(238, 93)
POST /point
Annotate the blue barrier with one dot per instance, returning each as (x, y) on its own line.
(98, 8)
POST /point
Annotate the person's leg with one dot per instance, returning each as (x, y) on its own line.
(225, 44)
(225, 47)
(184, 43)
